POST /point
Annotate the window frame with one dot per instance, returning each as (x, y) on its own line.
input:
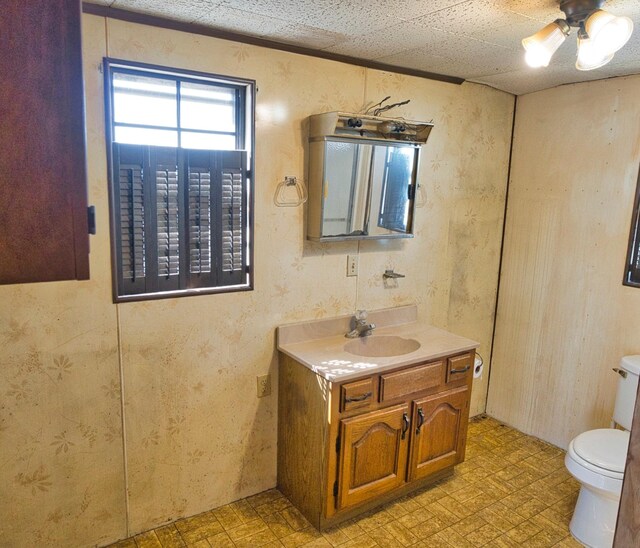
(245, 141)
(633, 249)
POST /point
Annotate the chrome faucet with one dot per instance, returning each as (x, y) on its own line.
(362, 328)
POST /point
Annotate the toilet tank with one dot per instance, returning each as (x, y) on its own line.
(627, 388)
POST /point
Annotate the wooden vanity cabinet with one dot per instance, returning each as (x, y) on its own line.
(344, 448)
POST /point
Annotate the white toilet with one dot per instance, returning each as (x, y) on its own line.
(596, 459)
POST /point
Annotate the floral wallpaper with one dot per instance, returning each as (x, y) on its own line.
(117, 418)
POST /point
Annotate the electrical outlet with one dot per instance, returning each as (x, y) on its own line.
(264, 385)
(352, 265)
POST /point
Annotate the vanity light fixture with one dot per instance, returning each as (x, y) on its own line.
(600, 35)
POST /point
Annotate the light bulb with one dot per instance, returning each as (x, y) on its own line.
(537, 56)
(607, 32)
(541, 46)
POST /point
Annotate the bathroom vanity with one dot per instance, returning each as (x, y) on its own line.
(363, 421)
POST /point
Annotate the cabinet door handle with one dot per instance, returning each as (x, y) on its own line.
(463, 370)
(364, 396)
(420, 420)
(405, 425)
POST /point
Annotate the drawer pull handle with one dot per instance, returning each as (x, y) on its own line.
(463, 370)
(420, 420)
(364, 396)
(405, 425)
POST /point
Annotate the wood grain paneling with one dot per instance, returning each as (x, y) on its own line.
(564, 319)
(43, 188)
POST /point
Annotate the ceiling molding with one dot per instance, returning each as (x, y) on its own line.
(171, 24)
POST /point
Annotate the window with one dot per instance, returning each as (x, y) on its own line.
(180, 156)
(632, 271)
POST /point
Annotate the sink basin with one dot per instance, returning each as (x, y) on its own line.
(381, 346)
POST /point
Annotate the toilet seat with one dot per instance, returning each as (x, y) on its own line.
(606, 446)
(603, 451)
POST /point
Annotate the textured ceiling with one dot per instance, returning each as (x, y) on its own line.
(478, 40)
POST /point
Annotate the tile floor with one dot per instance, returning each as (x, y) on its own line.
(513, 490)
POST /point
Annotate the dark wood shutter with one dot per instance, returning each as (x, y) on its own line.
(233, 217)
(632, 274)
(168, 206)
(217, 197)
(200, 258)
(203, 223)
(129, 216)
(634, 268)
(181, 218)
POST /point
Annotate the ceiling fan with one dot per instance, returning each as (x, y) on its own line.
(600, 35)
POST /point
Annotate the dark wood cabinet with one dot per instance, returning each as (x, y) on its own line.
(43, 188)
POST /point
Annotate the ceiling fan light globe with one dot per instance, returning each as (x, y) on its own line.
(589, 57)
(541, 46)
(608, 32)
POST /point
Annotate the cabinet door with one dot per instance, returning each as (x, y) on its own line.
(43, 188)
(373, 456)
(439, 432)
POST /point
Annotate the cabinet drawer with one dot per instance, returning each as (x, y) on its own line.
(459, 368)
(402, 383)
(357, 395)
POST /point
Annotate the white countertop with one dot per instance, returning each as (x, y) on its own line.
(319, 345)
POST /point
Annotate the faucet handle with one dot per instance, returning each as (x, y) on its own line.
(361, 315)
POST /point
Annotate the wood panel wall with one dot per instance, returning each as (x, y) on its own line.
(564, 318)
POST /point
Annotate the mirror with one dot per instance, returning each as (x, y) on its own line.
(367, 188)
(362, 176)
